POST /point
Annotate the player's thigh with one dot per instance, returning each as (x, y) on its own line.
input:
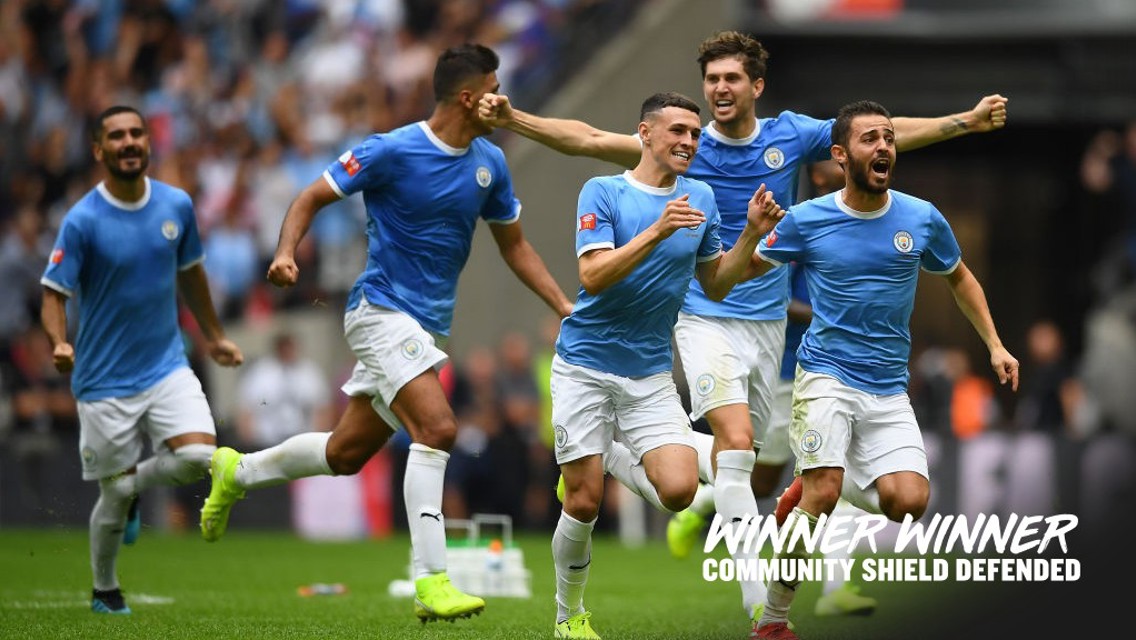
(886, 441)
(110, 437)
(649, 415)
(715, 373)
(820, 427)
(178, 411)
(391, 349)
(583, 410)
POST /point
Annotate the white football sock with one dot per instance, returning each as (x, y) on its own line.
(780, 595)
(617, 461)
(867, 499)
(703, 503)
(733, 498)
(108, 518)
(835, 579)
(300, 456)
(188, 464)
(704, 445)
(422, 491)
(572, 557)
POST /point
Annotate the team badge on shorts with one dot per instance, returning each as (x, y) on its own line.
(412, 348)
(774, 158)
(704, 384)
(903, 242)
(811, 441)
(484, 177)
(170, 230)
(89, 457)
(561, 437)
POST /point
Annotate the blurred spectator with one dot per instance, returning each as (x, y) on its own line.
(43, 410)
(1045, 375)
(1108, 169)
(282, 393)
(232, 263)
(23, 256)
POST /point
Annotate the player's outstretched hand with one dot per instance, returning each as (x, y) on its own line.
(764, 213)
(990, 113)
(1005, 367)
(63, 357)
(494, 110)
(283, 271)
(226, 353)
(679, 214)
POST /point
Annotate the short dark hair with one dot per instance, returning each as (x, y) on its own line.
(725, 44)
(458, 64)
(97, 126)
(660, 101)
(842, 128)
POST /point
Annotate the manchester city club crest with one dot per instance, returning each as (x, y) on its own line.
(774, 158)
(412, 348)
(561, 437)
(484, 177)
(903, 242)
(170, 230)
(89, 457)
(811, 441)
(705, 384)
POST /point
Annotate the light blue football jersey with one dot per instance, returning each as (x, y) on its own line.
(423, 199)
(862, 270)
(774, 154)
(626, 329)
(118, 262)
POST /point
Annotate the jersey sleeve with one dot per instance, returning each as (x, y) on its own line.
(711, 245)
(364, 166)
(190, 251)
(594, 219)
(942, 254)
(502, 207)
(815, 137)
(784, 244)
(66, 260)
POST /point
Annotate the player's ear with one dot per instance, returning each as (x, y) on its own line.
(839, 154)
(758, 88)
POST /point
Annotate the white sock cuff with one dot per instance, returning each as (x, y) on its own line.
(119, 487)
(198, 453)
(573, 529)
(425, 455)
(740, 460)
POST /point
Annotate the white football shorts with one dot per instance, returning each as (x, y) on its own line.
(590, 407)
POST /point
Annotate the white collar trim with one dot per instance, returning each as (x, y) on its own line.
(713, 132)
(122, 204)
(863, 215)
(453, 151)
(655, 191)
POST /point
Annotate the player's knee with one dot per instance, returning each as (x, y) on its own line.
(735, 440)
(191, 462)
(118, 489)
(677, 495)
(901, 504)
(583, 502)
(438, 432)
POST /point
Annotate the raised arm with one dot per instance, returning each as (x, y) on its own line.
(912, 133)
(718, 277)
(283, 271)
(571, 137)
(971, 299)
(526, 263)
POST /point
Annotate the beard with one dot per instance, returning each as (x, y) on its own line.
(861, 177)
(113, 167)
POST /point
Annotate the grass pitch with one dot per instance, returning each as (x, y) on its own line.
(245, 586)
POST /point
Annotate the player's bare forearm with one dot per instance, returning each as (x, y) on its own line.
(301, 212)
(757, 267)
(194, 288)
(53, 316)
(527, 265)
(577, 138)
(799, 311)
(971, 300)
(718, 278)
(912, 133)
(602, 268)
